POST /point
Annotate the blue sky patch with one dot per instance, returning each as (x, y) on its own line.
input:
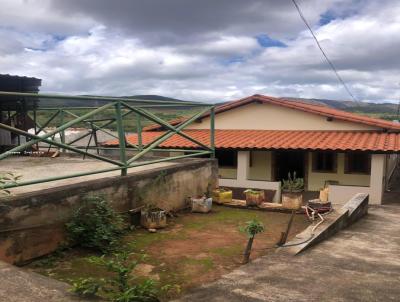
(265, 41)
(233, 60)
(326, 18)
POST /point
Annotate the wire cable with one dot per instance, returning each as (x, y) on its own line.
(323, 52)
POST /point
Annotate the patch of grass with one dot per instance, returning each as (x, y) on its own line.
(140, 240)
(228, 251)
(206, 263)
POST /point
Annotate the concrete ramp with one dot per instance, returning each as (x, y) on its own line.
(349, 213)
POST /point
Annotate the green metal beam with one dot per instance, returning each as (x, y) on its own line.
(165, 136)
(212, 131)
(49, 121)
(161, 122)
(121, 137)
(51, 142)
(51, 133)
(101, 128)
(143, 163)
(139, 130)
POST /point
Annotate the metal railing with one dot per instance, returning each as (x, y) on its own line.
(122, 108)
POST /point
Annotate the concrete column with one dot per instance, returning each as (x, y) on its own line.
(243, 160)
(377, 178)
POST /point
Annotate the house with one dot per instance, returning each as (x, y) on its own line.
(260, 139)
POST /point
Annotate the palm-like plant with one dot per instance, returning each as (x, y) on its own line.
(252, 228)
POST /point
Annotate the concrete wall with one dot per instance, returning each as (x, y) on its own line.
(317, 180)
(273, 117)
(32, 224)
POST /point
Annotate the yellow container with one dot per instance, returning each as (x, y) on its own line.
(222, 195)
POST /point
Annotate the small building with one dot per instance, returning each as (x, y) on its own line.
(260, 139)
(14, 109)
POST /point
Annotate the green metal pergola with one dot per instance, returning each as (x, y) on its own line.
(123, 109)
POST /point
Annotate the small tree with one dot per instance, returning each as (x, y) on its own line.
(252, 228)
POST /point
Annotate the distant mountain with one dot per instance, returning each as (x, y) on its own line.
(381, 110)
(96, 103)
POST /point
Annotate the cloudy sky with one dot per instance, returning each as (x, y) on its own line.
(208, 50)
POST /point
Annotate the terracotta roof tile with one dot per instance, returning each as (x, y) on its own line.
(373, 141)
(311, 108)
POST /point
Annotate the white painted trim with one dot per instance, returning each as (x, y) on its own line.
(377, 179)
(341, 194)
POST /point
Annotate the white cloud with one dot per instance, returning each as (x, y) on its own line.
(76, 52)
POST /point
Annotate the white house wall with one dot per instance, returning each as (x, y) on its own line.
(316, 180)
(272, 117)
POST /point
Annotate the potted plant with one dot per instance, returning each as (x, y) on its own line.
(254, 197)
(292, 188)
(201, 204)
(152, 217)
(222, 195)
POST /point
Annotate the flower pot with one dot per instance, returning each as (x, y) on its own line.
(254, 197)
(153, 219)
(221, 196)
(201, 204)
(292, 200)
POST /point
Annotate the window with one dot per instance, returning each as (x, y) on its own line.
(226, 158)
(357, 163)
(324, 162)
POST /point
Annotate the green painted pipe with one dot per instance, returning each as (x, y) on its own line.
(54, 143)
(166, 135)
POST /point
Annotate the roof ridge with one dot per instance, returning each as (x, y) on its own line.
(311, 108)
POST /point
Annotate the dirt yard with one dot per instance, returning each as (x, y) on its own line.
(193, 249)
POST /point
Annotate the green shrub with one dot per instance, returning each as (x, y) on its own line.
(121, 286)
(86, 287)
(95, 225)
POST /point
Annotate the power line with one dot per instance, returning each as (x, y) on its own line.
(323, 52)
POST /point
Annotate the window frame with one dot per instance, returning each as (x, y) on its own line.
(235, 161)
(347, 161)
(334, 164)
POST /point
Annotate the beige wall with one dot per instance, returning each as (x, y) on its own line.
(261, 165)
(316, 180)
(228, 173)
(273, 117)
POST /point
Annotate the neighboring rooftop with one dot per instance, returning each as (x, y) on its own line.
(276, 139)
(298, 105)
(13, 83)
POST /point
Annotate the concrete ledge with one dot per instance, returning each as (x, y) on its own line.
(18, 285)
(353, 210)
(32, 223)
